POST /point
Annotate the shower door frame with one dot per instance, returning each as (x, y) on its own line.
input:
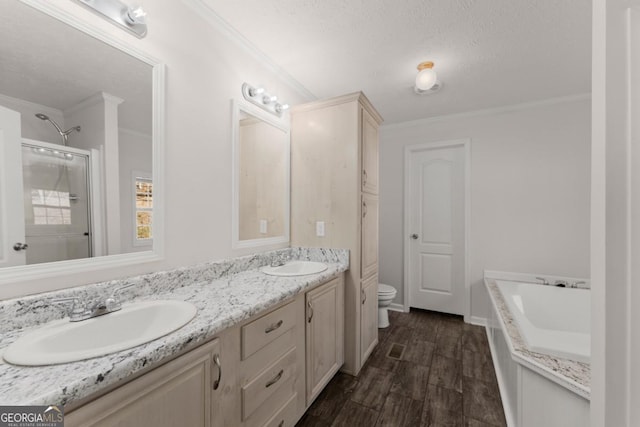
(92, 193)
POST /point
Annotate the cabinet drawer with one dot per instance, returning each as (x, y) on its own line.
(286, 416)
(268, 382)
(262, 331)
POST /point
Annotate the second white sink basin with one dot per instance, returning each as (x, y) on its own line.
(62, 341)
(295, 268)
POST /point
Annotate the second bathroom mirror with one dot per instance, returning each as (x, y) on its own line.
(261, 162)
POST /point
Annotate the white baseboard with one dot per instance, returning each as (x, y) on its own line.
(476, 320)
(396, 307)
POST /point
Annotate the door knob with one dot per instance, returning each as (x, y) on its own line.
(414, 236)
(20, 247)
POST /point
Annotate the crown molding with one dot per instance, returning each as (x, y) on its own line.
(490, 111)
(337, 100)
(95, 99)
(139, 136)
(205, 11)
(6, 99)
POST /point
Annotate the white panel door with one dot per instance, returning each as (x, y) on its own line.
(11, 197)
(436, 190)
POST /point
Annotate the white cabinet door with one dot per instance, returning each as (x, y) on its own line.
(369, 317)
(369, 153)
(11, 197)
(325, 335)
(369, 248)
(178, 393)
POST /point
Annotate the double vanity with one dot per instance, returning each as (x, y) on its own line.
(259, 346)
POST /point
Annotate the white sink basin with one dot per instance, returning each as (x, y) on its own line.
(62, 341)
(295, 268)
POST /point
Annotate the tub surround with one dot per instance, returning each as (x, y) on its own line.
(573, 375)
(225, 293)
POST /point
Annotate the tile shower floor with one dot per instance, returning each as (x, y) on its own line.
(429, 369)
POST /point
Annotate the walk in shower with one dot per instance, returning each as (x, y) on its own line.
(57, 208)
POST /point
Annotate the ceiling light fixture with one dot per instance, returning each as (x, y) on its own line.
(427, 79)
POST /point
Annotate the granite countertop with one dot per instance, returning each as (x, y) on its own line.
(222, 302)
(575, 376)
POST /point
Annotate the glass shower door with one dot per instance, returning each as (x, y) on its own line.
(56, 203)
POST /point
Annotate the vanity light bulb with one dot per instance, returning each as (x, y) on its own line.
(269, 99)
(135, 15)
(281, 107)
(255, 91)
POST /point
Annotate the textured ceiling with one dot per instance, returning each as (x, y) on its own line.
(45, 61)
(487, 53)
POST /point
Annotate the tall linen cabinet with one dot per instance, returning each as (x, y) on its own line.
(334, 191)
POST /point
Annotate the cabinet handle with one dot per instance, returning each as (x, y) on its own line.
(216, 361)
(364, 296)
(364, 174)
(310, 311)
(364, 209)
(273, 327)
(275, 379)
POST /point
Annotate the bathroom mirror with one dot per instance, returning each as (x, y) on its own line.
(80, 144)
(261, 162)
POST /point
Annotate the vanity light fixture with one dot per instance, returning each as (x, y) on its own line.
(130, 18)
(258, 96)
(427, 80)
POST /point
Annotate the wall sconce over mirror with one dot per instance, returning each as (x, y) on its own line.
(261, 163)
(268, 102)
(130, 18)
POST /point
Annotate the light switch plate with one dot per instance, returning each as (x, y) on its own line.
(263, 226)
(320, 228)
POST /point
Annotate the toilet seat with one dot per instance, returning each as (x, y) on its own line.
(386, 289)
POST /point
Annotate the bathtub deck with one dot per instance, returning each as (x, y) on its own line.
(575, 376)
(443, 376)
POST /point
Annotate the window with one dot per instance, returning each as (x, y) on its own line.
(143, 209)
(50, 207)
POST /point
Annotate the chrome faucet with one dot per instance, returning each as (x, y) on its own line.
(82, 311)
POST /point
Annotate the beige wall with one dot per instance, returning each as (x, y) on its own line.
(530, 176)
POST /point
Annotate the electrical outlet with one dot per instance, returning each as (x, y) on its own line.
(320, 228)
(263, 226)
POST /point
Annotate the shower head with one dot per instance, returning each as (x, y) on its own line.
(46, 118)
(63, 133)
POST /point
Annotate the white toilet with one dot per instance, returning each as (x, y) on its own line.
(386, 294)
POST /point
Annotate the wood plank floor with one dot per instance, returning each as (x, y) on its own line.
(443, 377)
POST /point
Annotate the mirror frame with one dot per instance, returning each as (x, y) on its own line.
(16, 274)
(282, 123)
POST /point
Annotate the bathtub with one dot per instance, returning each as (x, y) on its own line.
(539, 341)
(550, 319)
